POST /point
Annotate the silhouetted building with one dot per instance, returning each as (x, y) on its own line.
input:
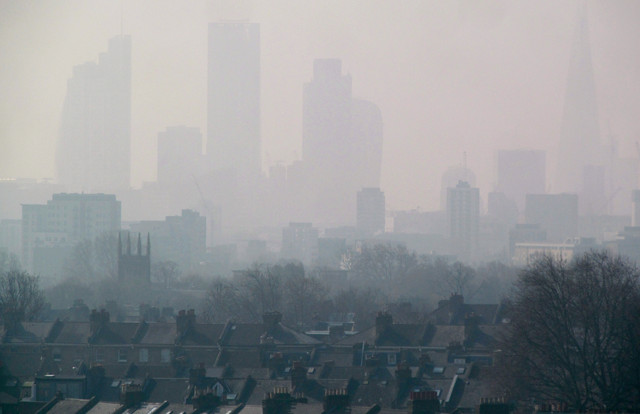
(525, 253)
(179, 155)
(521, 172)
(371, 211)
(341, 144)
(11, 237)
(300, 242)
(421, 222)
(366, 135)
(463, 216)
(50, 231)
(451, 178)
(579, 144)
(233, 98)
(134, 266)
(95, 133)
(525, 233)
(331, 251)
(592, 198)
(181, 239)
(557, 214)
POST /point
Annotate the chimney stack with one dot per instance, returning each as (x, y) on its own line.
(271, 321)
(335, 401)
(98, 320)
(298, 375)
(423, 402)
(384, 320)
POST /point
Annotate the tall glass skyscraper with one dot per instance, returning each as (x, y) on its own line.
(94, 146)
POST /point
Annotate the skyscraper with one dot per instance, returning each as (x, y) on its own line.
(557, 214)
(370, 216)
(521, 172)
(580, 136)
(463, 216)
(341, 143)
(93, 151)
(233, 99)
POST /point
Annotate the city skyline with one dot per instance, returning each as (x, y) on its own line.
(429, 120)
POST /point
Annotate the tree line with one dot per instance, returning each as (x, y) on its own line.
(572, 337)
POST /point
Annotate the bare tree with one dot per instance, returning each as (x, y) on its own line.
(574, 334)
(165, 271)
(8, 261)
(459, 277)
(94, 259)
(20, 296)
(105, 255)
(303, 297)
(383, 263)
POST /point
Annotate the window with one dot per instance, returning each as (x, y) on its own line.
(165, 355)
(144, 355)
(122, 355)
(438, 370)
(57, 354)
(99, 355)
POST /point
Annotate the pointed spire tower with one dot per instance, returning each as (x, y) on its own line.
(579, 144)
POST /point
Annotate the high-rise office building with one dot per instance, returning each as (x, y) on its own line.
(341, 143)
(557, 214)
(451, 177)
(181, 239)
(233, 98)
(366, 133)
(521, 172)
(580, 136)
(370, 215)
(463, 217)
(300, 242)
(94, 151)
(50, 231)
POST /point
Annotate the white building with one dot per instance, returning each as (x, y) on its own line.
(463, 217)
(50, 231)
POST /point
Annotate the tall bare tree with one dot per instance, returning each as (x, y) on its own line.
(574, 334)
(20, 296)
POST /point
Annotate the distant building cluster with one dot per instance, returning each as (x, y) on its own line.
(316, 208)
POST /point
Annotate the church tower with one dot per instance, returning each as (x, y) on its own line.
(134, 267)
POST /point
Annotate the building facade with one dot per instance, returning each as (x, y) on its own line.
(94, 146)
(300, 242)
(50, 231)
(557, 214)
(181, 239)
(463, 217)
(521, 172)
(341, 144)
(370, 215)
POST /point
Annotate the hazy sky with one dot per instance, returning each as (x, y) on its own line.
(448, 76)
